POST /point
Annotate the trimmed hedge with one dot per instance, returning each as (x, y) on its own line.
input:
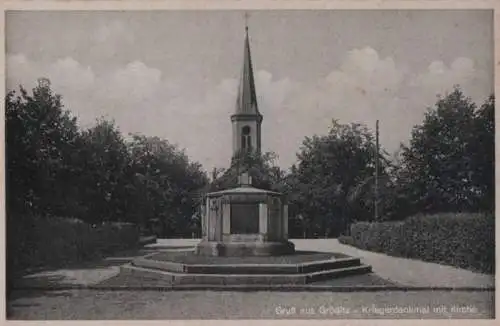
(461, 240)
(35, 242)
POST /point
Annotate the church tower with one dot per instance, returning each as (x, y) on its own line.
(246, 119)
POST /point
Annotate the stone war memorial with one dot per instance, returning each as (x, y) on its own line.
(244, 229)
(244, 221)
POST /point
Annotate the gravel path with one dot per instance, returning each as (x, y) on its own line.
(87, 273)
(404, 271)
(84, 304)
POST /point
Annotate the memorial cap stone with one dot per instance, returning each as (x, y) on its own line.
(244, 180)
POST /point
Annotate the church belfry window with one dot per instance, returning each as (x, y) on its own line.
(246, 139)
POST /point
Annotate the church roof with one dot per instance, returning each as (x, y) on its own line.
(246, 103)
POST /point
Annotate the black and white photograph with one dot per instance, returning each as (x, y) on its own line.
(271, 164)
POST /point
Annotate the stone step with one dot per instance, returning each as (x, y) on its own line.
(336, 273)
(169, 278)
(277, 268)
(330, 265)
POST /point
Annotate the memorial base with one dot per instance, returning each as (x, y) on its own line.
(243, 249)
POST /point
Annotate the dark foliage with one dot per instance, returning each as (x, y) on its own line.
(460, 240)
(95, 175)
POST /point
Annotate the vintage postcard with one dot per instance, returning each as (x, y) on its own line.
(247, 161)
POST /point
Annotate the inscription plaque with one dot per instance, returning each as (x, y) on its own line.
(244, 219)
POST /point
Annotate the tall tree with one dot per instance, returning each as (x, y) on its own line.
(483, 150)
(443, 167)
(41, 142)
(103, 161)
(167, 183)
(329, 168)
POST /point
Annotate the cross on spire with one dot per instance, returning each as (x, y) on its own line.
(246, 21)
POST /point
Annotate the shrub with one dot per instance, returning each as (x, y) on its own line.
(461, 240)
(35, 242)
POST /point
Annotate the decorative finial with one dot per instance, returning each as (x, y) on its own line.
(244, 180)
(43, 82)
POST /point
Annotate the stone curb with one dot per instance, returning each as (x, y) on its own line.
(239, 269)
(256, 288)
(239, 280)
(168, 248)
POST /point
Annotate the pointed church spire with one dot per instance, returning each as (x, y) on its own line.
(246, 119)
(247, 98)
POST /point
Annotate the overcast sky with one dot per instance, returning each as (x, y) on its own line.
(174, 74)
